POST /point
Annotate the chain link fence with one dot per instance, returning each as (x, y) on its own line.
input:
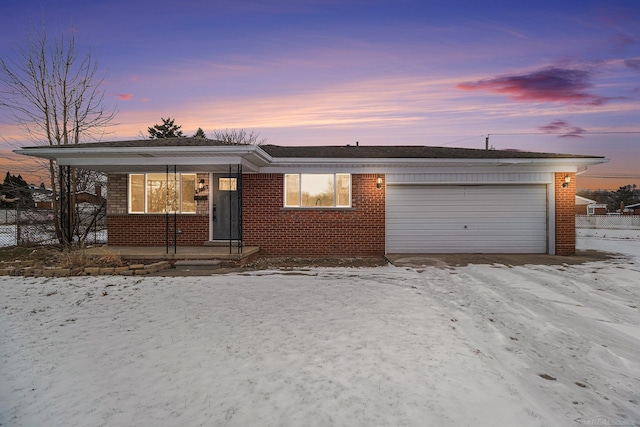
(615, 222)
(27, 216)
(31, 227)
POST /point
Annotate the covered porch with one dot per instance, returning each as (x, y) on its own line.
(169, 194)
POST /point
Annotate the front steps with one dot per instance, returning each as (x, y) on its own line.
(197, 265)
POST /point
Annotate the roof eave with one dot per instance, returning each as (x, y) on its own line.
(433, 162)
(128, 159)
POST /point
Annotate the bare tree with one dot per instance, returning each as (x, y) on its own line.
(54, 93)
(238, 137)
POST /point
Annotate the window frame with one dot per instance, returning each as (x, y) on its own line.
(300, 181)
(145, 189)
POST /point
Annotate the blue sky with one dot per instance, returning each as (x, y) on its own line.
(558, 76)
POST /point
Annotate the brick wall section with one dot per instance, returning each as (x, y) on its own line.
(358, 231)
(202, 206)
(565, 215)
(149, 230)
(117, 194)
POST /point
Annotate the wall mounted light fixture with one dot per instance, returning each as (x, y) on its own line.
(379, 182)
(201, 191)
(567, 180)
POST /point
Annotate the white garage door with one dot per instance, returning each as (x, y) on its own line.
(466, 219)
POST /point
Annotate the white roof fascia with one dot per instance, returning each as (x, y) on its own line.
(584, 200)
(403, 165)
(136, 158)
(151, 151)
(257, 160)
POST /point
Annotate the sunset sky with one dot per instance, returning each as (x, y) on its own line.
(554, 76)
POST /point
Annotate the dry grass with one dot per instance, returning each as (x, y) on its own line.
(78, 258)
(52, 257)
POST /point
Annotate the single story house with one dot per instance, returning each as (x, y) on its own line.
(585, 206)
(333, 200)
(634, 209)
(42, 197)
(582, 203)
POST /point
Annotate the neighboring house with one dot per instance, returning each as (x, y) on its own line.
(88, 197)
(333, 200)
(586, 206)
(597, 209)
(41, 196)
(581, 205)
(633, 209)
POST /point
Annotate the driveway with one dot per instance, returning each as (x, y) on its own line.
(461, 260)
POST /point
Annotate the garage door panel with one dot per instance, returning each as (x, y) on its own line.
(466, 219)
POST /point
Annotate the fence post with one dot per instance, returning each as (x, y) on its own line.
(17, 224)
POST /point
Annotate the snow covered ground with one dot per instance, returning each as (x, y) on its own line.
(482, 345)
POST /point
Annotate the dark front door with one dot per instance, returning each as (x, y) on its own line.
(225, 219)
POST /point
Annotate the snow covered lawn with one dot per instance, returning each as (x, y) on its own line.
(482, 345)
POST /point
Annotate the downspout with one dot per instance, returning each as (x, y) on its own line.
(175, 208)
(239, 193)
(166, 210)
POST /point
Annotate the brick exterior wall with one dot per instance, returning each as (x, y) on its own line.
(117, 194)
(565, 215)
(358, 231)
(150, 230)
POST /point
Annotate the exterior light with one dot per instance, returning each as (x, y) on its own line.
(567, 180)
(379, 182)
(201, 191)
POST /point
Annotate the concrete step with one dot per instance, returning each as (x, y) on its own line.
(197, 264)
(221, 243)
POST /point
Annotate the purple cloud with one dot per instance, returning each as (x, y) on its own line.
(622, 41)
(632, 63)
(547, 85)
(563, 129)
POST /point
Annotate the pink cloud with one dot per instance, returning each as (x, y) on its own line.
(124, 96)
(546, 85)
(563, 129)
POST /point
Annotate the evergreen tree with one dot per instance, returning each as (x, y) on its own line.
(200, 134)
(167, 129)
(627, 194)
(15, 187)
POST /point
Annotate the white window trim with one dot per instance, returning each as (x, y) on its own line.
(335, 194)
(144, 196)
